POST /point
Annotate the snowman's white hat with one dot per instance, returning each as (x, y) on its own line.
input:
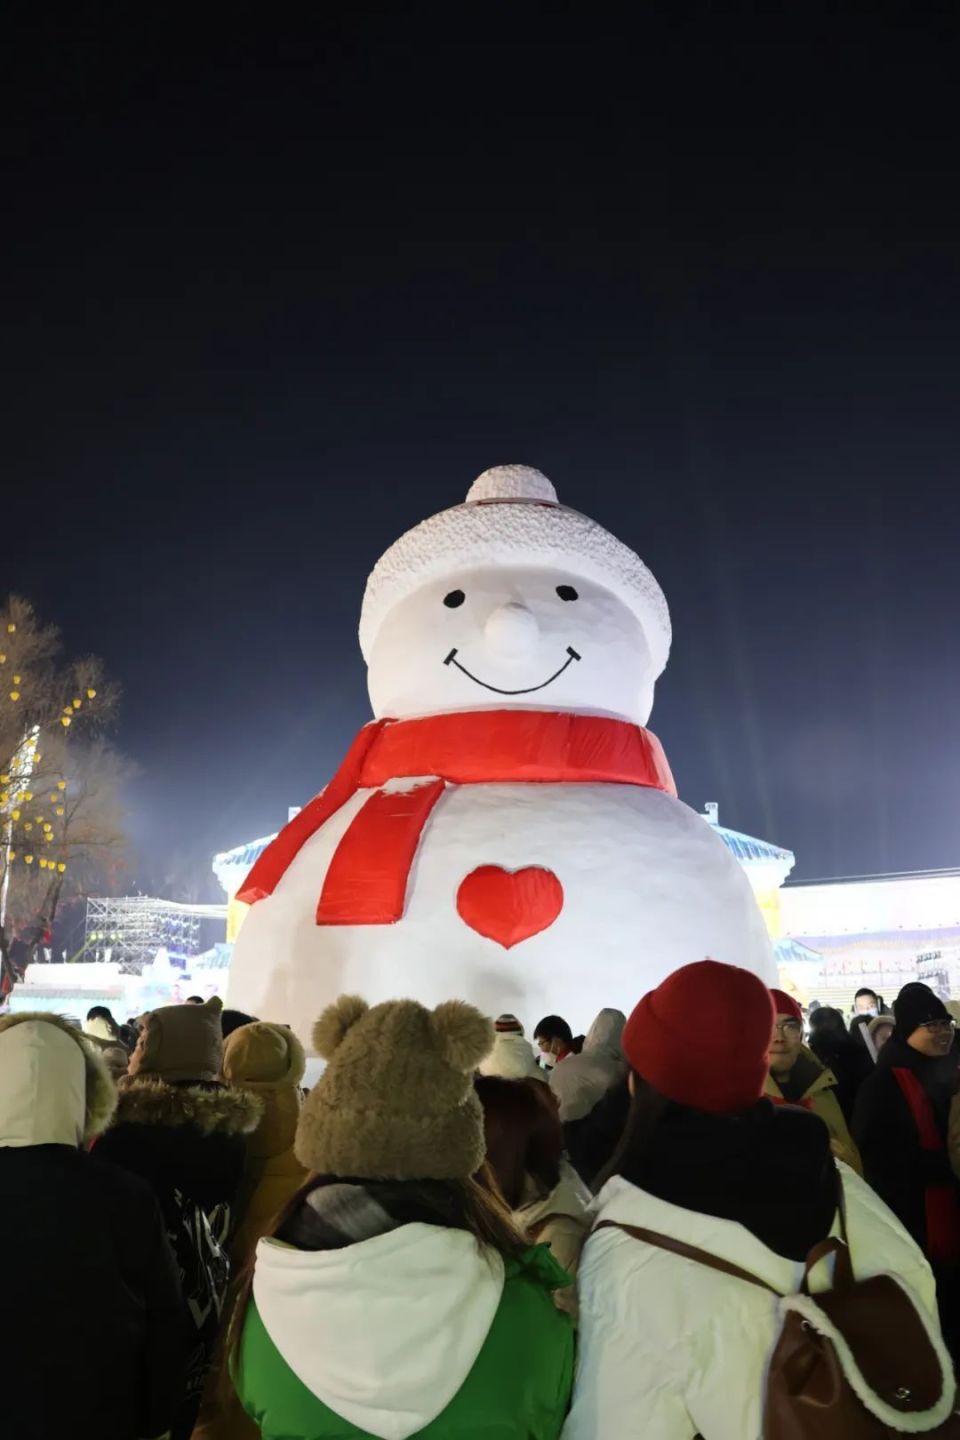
(512, 516)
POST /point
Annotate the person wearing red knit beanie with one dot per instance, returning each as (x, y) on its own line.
(796, 1077)
(669, 1347)
(724, 1015)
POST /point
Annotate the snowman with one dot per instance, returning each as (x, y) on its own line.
(506, 830)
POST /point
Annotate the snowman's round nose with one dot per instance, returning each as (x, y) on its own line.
(511, 631)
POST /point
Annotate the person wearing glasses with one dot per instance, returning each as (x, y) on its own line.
(900, 1123)
(796, 1077)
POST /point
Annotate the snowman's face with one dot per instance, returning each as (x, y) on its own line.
(490, 639)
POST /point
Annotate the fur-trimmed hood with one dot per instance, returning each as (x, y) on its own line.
(209, 1109)
(55, 1089)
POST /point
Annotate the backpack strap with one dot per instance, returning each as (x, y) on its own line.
(689, 1252)
(842, 1267)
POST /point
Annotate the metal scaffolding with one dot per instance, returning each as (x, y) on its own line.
(130, 929)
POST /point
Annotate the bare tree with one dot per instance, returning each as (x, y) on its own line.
(61, 827)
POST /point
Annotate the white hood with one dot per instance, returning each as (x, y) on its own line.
(43, 1086)
(384, 1332)
(581, 1081)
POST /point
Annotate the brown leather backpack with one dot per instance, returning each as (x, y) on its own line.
(856, 1362)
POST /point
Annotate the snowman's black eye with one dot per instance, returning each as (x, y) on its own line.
(567, 592)
(453, 599)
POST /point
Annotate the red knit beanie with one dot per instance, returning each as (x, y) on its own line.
(786, 1005)
(701, 1038)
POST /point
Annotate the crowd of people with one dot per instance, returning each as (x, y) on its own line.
(460, 1233)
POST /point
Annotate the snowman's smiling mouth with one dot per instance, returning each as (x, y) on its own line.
(527, 689)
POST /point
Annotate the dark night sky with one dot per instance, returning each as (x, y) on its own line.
(271, 295)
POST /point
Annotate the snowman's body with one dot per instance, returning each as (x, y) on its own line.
(647, 885)
(504, 605)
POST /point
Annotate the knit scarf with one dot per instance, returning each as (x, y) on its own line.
(408, 764)
(339, 1213)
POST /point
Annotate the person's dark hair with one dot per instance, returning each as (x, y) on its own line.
(128, 1036)
(866, 990)
(826, 1020)
(554, 1027)
(523, 1134)
(231, 1020)
(475, 1207)
(648, 1110)
(194, 1000)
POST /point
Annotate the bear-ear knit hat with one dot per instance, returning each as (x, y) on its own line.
(512, 514)
(702, 1037)
(180, 1042)
(396, 1101)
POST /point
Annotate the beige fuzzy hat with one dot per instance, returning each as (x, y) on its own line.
(396, 1101)
(180, 1042)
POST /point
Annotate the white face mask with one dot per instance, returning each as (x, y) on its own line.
(546, 1060)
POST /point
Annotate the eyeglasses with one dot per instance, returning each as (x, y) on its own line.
(787, 1027)
(939, 1027)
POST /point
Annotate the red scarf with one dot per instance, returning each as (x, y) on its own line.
(941, 1204)
(366, 881)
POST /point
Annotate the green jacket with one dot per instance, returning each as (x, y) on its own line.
(389, 1355)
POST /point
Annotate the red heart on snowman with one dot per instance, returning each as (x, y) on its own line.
(509, 906)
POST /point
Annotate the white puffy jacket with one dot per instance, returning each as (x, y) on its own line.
(670, 1349)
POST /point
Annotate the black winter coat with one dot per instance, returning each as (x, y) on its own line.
(189, 1142)
(894, 1162)
(185, 1138)
(93, 1336)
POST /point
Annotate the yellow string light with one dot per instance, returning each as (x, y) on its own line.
(28, 859)
(77, 704)
(15, 814)
(17, 679)
(28, 826)
(11, 629)
(13, 854)
(14, 695)
(64, 720)
(61, 867)
(60, 810)
(3, 657)
(28, 794)
(91, 694)
(61, 784)
(43, 863)
(4, 779)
